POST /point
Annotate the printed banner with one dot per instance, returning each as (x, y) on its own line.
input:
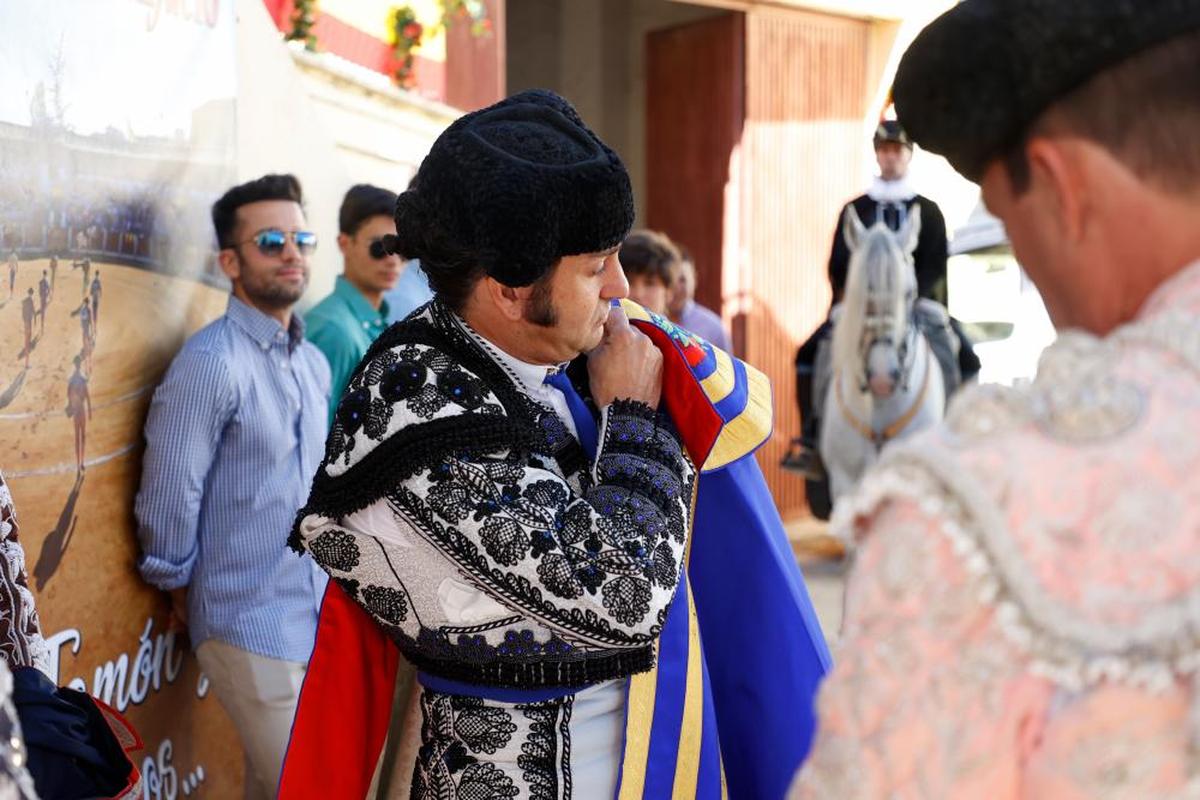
(117, 132)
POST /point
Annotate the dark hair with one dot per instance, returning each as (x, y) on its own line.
(650, 254)
(362, 202)
(268, 187)
(1145, 111)
(452, 268)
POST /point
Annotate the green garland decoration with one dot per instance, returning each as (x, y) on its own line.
(304, 17)
(407, 32)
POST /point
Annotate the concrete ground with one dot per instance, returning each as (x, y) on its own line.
(821, 560)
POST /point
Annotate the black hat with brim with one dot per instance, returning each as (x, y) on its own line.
(974, 80)
(889, 130)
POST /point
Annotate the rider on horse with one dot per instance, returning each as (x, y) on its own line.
(891, 199)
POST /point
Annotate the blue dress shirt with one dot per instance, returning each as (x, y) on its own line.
(235, 433)
(410, 292)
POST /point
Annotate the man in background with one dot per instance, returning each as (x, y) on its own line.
(27, 314)
(43, 299)
(890, 199)
(344, 324)
(79, 409)
(689, 314)
(651, 264)
(235, 432)
(95, 294)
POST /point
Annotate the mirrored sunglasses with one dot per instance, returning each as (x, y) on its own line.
(271, 241)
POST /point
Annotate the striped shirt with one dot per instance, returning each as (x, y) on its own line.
(235, 433)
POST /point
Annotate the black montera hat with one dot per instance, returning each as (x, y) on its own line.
(889, 130)
(975, 79)
(513, 188)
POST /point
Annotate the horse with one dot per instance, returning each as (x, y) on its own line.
(886, 382)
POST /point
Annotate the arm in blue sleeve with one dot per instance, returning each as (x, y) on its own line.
(183, 432)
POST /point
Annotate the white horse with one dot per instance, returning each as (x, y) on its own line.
(885, 380)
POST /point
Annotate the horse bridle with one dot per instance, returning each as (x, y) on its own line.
(881, 438)
(906, 348)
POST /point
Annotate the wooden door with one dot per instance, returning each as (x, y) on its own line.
(694, 111)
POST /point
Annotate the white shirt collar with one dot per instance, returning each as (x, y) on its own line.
(530, 377)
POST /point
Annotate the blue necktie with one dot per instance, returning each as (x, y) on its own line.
(585, 426)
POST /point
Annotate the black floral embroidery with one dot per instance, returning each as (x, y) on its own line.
(454, 731)
(546, 493)
(574, 523)
(427, 402)
(541, 747)
(437, 362)
(386, 603)
(378, 420)
(485, 782)
(451, 501)
(505, 540)
(374, 369)
(335, 445)
(665, 572)
(402, 380)
(543, 542)
(556, 573)
(410, 353)
(627, 599)
(335, 550)
(506, 472)
(483, 729)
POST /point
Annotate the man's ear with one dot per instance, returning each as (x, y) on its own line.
(343, 243)
(509, 300)
(231, 265)
(1056, 172)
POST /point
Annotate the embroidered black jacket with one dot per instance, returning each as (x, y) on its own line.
(477, 482)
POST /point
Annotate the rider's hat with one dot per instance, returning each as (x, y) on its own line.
(975, 79)
(889, 130)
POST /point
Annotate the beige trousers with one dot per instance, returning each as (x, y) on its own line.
(260, 696)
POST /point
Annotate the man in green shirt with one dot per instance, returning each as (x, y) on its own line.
(344, 324)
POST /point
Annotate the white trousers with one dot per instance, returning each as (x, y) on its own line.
(259, 694)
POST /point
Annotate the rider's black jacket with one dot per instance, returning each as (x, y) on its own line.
(929, 258)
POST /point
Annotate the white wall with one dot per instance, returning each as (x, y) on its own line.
(330, 123)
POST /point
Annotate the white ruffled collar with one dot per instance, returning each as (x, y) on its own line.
(899, 191)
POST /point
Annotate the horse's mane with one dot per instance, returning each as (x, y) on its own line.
(879, 261)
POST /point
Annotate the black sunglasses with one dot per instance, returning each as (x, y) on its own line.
(271, 241)
(377, 249)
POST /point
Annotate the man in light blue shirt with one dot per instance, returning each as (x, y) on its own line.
(235, 433)
(344, 324)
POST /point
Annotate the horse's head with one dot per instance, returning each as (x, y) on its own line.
(875, 332)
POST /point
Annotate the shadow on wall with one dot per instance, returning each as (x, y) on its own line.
(763, 342)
